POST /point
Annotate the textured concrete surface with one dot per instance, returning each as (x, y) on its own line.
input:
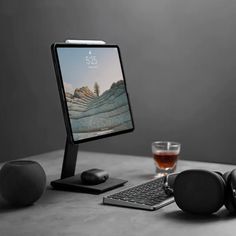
(68, 213)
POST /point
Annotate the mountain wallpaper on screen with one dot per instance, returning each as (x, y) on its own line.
(92, 114)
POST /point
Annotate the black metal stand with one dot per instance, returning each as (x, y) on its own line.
(71, 182)
(69, 160)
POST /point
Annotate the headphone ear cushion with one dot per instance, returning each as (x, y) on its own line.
(226, 176)
(199, 191)
(230, 200)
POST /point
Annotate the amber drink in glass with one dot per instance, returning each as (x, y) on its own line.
(166, 155)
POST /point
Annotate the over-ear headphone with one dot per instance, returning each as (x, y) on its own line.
(202, 191)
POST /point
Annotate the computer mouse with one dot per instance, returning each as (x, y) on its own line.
(94, 176)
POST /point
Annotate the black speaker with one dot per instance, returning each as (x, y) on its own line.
(22, 182)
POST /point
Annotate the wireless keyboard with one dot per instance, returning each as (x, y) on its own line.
(149, 196)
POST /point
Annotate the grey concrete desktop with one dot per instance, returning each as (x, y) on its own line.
(69, 213)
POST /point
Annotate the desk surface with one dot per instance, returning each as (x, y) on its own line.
(68, 213)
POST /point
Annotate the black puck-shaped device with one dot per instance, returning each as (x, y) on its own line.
(22, 182)
(94, 176)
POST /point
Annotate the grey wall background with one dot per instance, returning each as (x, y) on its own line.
(179, 60)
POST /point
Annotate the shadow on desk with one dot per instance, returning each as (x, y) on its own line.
(6, 207)
(180, 216)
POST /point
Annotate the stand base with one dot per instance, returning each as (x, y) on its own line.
(74, 183)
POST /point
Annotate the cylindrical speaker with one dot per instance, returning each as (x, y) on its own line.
(22, 182)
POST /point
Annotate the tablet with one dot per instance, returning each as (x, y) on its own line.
(93, 91)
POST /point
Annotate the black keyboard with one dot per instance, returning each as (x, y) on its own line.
(149, 196)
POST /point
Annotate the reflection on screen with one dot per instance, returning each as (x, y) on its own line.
(95, 91)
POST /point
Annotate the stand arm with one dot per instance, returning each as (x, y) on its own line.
(69, 161)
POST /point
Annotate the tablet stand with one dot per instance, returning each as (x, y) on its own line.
(71, 182)
(69, 160)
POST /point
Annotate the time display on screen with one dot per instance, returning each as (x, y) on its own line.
(91, 60)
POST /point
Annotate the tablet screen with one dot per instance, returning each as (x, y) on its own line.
(95, 92)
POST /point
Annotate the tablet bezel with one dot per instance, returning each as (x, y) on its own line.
(61, 90)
